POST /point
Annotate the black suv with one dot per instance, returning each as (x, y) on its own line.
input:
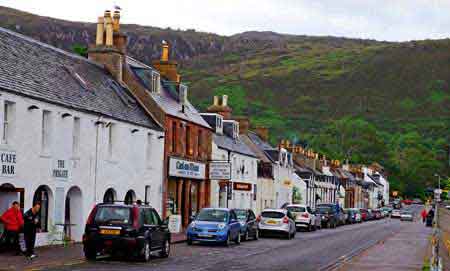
(131, 230)
(329, 215)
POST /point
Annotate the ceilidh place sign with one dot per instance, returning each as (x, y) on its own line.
(187, 169)
(8, 163)
(61, 171)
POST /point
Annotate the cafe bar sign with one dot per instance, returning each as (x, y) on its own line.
(8, 163)
(186, 169)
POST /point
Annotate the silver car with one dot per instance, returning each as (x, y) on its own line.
(406, 216)
(277, 221)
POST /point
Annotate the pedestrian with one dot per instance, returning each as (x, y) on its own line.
(424, 215)
(13, 221)
(31, 225)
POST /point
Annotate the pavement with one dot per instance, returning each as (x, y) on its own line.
(403, 251)
(326, 249)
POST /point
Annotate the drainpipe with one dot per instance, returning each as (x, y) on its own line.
(97, 124)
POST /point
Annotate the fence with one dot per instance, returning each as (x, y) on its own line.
(444, 236)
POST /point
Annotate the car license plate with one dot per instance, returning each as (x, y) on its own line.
(204, 235)
(109, 232)
(273, 222)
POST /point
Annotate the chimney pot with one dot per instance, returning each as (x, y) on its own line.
(216, 101)
(165, 51)
(109, 31)
(116, 21)
(107, 13)
(100, 31)
(224, 100)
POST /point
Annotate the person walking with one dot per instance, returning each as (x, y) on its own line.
(13, 221)
(424, 215)
(31, 218)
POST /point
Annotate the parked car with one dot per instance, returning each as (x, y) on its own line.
(406, 216)
(329, 215)
(377, 214)
(249, 225)
(353, 215)
(364, 214)
(370, 214)
(395, 213)
(125, 229)
(277, 221)
(214, 225)
(386, 210)
(303, 216)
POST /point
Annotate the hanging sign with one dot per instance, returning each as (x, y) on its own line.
(187, 169)
(219, 171)
(8, 163)
(242, 186)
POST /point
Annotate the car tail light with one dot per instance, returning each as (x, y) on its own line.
(305, 215)
(258, 218)
(135, 218)
(90, 219)
(285, 220)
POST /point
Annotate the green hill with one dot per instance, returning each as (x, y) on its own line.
(361, 100)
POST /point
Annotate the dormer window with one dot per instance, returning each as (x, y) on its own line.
(219, 124)
(156, 82)
(236, 130)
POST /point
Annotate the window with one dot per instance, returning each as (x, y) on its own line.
(148, 152)
(41, 196)
(155, 82)
(8, 118)
(188, 140)
(174, 136)
(76, 137)
(199, 143)
(46, 132)
(110, 196)
(111, 140)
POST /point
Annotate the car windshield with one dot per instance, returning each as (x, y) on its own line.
(241, 215)
(113, 215)
(324, 209)
(272, 214)
(296, 209)
(213, 215)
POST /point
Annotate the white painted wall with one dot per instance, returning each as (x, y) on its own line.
(283, 172)
(91, 171)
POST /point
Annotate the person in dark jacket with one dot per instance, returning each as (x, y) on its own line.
(31, 218)
(13, 221)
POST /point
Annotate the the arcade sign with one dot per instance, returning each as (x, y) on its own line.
(186, 169)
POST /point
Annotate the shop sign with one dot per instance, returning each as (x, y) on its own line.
(8, 163)
(60, 170)
(175, 223)
(187, 169)
(219, 171)
(242, 186)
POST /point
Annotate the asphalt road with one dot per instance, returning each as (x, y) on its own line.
(308, 251)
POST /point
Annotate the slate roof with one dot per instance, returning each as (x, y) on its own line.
(261, 144)
(234, 145)
(166, 100)
(40, 71)
(254, 148)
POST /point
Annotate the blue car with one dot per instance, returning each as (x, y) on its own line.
(214, 225)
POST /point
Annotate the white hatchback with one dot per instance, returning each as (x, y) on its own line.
(304, 217)
(277, 221)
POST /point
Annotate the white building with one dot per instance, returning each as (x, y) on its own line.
(283, 172)
(71, 137)
(237, 188)
(299, 192)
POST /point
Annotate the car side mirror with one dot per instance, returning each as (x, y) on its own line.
(191, 218)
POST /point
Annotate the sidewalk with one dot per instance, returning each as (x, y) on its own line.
(47, 256)
(403, 251)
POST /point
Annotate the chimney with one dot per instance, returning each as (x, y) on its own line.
(109, 49)
(263, 133)
(100, 29)
(221, 109)
(244, 124)
(216, 101)
(166, 67)
(225, 100)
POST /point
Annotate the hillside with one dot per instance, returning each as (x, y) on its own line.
(300, 86)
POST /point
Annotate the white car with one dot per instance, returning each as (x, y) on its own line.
(396, 213)
(406, 216)
(303, 216)
(277, 221)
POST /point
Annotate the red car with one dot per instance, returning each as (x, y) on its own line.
(407, 201)
(364, 214)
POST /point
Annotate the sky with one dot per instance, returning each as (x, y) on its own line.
(391, 20)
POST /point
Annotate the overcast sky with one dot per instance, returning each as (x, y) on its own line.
(393, 20)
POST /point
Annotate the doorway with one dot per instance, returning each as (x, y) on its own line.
(73, 219)
(9, 194)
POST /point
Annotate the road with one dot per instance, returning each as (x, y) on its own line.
(308, 251)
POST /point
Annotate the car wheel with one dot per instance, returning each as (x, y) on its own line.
(165, 251)
(309, 227)
(90, 254)
(189, 242)
(293, 235)
(314, 227)
(145, 254)
(256, 235)
(238, 239)
(288, 235)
